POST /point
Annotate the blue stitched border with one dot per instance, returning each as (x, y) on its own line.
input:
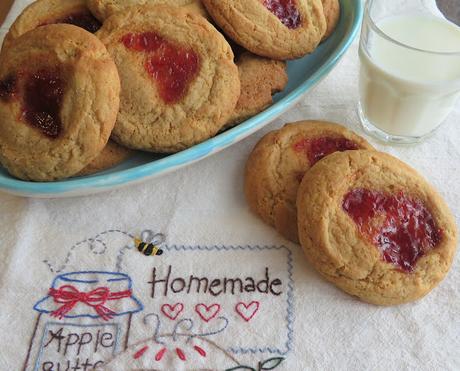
(290, 292)
(290, 284)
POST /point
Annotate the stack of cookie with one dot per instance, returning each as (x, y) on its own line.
(367, 222)
(151, 75)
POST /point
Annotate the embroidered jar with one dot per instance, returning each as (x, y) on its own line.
(84, 319)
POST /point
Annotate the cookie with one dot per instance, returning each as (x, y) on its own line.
(260, 78)
(103, 9)
(374, 227)
(179, 82)
(279, 161)
(112, 155)
(59, 98)
(277, 29)
(43, 12)
(331, 10)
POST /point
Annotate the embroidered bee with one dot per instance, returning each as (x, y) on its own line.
(149, 243)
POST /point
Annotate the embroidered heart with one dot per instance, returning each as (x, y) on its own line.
(206, 312)
(172, 311)
(247, 311)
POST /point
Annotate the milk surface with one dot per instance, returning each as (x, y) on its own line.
(407, 91)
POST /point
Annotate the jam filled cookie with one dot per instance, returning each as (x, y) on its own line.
(279, 161)
(332, 13)
(374, 227)
(278, 29)
(102, 9)
(43, 12)
(260, 78)
(59, 98)
(179, 82)
(112, 155)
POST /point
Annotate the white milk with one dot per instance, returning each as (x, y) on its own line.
(406, 92)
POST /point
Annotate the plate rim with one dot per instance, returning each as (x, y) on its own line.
(101, 182)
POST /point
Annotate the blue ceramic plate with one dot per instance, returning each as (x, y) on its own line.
(303, 74)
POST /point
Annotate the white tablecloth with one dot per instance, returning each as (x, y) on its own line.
(304, 323)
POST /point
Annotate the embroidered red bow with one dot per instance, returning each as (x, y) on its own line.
(69, 296)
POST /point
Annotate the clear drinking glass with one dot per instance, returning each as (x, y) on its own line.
(410, 68)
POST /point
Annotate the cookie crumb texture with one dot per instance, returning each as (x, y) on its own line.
(103, 9)
(277, 29)
(59, 98)
(260, 79)
(112, 155)
(179, 82)
(45, 12)
(374, 227)
(279, 161)
(331, 10)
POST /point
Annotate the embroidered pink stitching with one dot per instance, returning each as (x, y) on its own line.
(247, 313)
(160, 354)
(181, 354)
(200, 350)
(140, 352)
(172, 311)
(69, 296)
(206, 312)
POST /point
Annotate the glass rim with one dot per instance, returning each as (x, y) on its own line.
(378, 30)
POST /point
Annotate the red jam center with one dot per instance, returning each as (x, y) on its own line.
(173, 67)
(84, 20)
(317, 148)
(43, 92)
(8, 88)
(286, 11)
(401, 227)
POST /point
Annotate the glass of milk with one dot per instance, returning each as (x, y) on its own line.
(410, 69)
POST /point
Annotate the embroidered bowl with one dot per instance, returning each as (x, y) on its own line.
(303, 73)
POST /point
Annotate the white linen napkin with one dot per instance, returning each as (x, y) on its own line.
(227, 291)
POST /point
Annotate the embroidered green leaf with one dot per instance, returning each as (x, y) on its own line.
(241, 368)
(271, 363)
